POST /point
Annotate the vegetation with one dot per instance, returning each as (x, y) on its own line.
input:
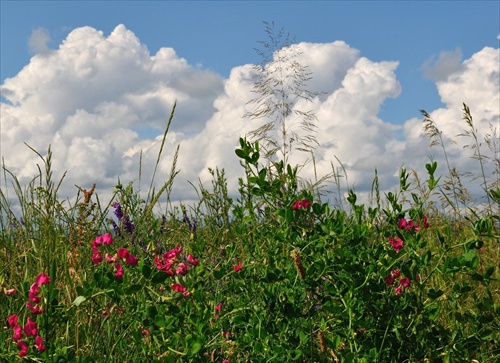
(275, 275)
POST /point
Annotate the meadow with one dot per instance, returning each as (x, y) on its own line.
(272, 275)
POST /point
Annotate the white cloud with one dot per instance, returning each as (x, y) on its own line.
(38, 41)
(101, 101)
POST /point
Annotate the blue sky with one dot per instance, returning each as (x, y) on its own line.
(96, 79)
(222, 34)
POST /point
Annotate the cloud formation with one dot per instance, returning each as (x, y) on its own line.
(102, 103)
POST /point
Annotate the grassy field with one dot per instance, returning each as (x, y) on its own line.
(273, 274)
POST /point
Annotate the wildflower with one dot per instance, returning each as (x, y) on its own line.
(110, 259)
(118, 210)
(30, 328)
(42, 279)
(398, 290)
(389, 280)
(122, 252)
(39, 344)
(119, 271)
(182, 269)
(18, 333)
(395, 273)
(178, 288)
(226, 334)
(238, 266)
(35, 310)
(426, 224)
(23, 348)
(402, 223)
(9, 292)
(96, 258)
(145, 331)
(301, 204)
(217, 310)
(404, 281)
(107, 239)
(13, 320)
(131, 260)
(296, 205)
(193, 261)
(226, 360)
(396, 243)
(33, 293)
(96, 242)
(305, 203)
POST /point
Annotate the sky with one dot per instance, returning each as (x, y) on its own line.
(97, 80)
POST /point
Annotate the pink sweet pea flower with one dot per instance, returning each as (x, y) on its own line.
(296, 205)
(145, 331)
(123, 252)
(396, 243)
(42, 279)
(30, 328)
(119, 271)
(395, 273)
(39, 344)
(402, 223)
(305, 203)
(36, 310)
(426, 224)
(9, 292)
(398, 290)
(18, 333)
(23, 348)
(237, 267)
(389, 280)
(96, 258)
(110, 259)
(404, 281)
(193, 261)
(131, 260)
(182, 269)
(96, 242)
(178, 288)
(13, 320)
(107, 239)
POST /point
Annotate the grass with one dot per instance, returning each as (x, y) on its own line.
(273, 275)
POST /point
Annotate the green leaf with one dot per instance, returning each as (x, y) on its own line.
(79, 300)
(159, 277)
(195, 348)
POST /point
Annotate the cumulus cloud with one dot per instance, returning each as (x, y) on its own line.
(446, 64)
(38, 41)
(102, 103)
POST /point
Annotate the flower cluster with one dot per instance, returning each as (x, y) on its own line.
(301, 204)
(124, 219)
(398, 285)
(30, 328)
(171, 263)
(410, 225)
(122, 254)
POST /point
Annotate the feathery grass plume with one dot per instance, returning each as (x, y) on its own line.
(280, 82)
(436, 137)
(298, 263)
(322, 341)
(471, 132)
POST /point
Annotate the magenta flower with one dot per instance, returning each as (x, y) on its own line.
(217, 310)
(131, 260)
(96, 242)
(426, 224)
(193, 261)
(96, 258)
(107, 239)
(398, 290)
(389, 280)
(30, 328)
(42, 279)
(123, 252)
(36, 310)
(396, 243)
(18, 333)
(13, 320)
(119, 271)
(404, 281)
(305, 203)
(237, 267)
(9, 292)
(395, 273)
(178, 288)
(110, 259)
(39, 344)
(23, 348)
(182, 269)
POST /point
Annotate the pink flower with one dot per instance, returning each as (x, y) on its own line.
(226, 360)
(193, 261)
(123, 252)
(119, 271)
(182, 269)
(297, 205)
(131, 260)
(96, 258)
(395, 273)
(107, 239)
(36, 310)
(402, 223)
(34, 289)
(23, 348)
(178, 288)
(9, 292)
(110, 259)
(42, 279)
(404, 281)
(30, 328)
(305, 203)
(13, 320)
(396, 243)
(96, 242)
(18, 333)
(39, 344)
(426, 224)
(238, 266)
(145, 331)
(398, 290)
(389, 280)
